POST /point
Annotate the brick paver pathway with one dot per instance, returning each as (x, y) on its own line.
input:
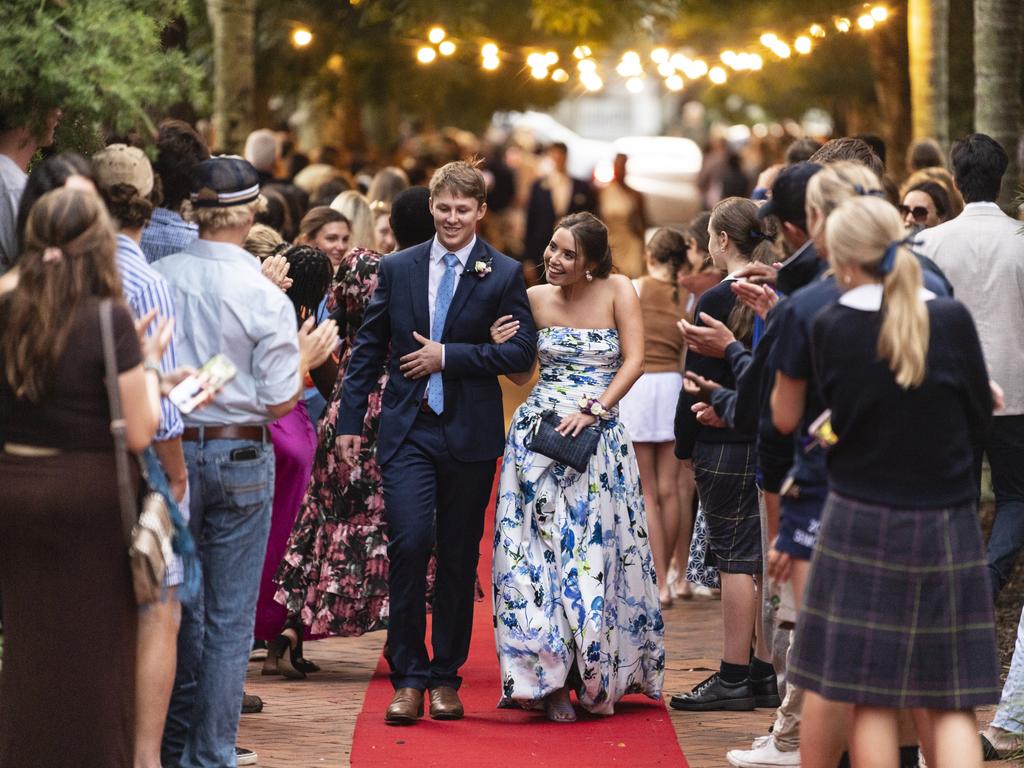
(310, 723)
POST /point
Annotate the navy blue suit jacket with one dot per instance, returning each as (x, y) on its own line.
(473, 417)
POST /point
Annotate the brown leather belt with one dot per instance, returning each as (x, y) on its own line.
(227, 432)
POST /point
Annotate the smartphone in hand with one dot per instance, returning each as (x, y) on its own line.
(214, 374)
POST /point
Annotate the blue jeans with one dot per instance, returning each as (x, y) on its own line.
(1005, 450)
(230, 505)
(1010, 714)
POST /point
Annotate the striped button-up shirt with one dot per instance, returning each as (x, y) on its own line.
(145, 289)
(165, 234)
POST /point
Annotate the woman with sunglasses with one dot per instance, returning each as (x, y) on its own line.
(925, 205)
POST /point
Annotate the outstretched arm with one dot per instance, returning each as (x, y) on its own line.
(515, 355)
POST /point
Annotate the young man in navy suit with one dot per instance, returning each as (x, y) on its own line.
(441, 427)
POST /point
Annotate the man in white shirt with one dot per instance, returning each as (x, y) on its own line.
(18, 143)
(982, 253)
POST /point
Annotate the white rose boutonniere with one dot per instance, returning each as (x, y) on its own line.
(482, 268)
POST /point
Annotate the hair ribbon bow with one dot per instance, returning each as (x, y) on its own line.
(889, 258)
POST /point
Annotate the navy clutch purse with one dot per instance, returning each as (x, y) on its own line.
(574, 452)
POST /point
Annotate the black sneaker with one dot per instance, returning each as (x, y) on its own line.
(716, 694)
(766, 692)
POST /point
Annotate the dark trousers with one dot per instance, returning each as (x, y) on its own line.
(1005, 451)
(428, 496)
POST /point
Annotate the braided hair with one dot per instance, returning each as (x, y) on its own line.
(310, 271)
(669, 246)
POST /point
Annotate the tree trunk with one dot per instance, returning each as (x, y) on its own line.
(928, 39)
(887, 44)
(234, 29)
(997, 80)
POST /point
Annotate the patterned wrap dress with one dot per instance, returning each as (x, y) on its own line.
(335, 568)
(575, 592)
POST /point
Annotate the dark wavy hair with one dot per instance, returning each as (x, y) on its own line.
(52, 173)
(591, 236)
(940, 199)
(179, 149)
(979, 162)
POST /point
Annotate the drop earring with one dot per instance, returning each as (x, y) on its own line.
(590, 277)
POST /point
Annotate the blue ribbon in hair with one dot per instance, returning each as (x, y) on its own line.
(889, 258)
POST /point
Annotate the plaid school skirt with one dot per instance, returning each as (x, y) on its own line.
(897, 610)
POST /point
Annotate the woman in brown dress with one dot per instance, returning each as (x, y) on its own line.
(67, 684)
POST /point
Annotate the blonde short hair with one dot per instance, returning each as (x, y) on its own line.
(212, 219)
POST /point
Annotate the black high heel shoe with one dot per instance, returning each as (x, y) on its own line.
(281, 659)
(299, 662)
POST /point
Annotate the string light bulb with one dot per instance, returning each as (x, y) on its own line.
(447, 48)
(660, 55)
(843, 24)
(560, 76)
(426, 55)
(539, 73)
(491, 63)
(768, 39)
(489, 50)
(581, 51)
(717, 75)
(665, 69)
(817, 30)
(551, 58)
(879, 13)
(536, 60)
(866, 22)
(301, 37)
(635, 85)
(756, 62)
(674, 83)
(592, 81)
(587, 66)
(436, 35)
(802, 45)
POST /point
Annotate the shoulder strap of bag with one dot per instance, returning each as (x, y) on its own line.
(117, 424)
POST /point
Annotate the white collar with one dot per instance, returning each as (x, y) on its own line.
(981, 206)
(437, 251)
(868, 298)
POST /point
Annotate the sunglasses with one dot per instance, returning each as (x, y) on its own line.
(919, 212)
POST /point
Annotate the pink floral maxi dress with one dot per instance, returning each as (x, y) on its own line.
(335, 568)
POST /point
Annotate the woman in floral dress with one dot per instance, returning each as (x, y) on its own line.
(575, 591)
(334, 571)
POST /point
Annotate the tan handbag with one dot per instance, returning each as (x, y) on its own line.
(146, 518)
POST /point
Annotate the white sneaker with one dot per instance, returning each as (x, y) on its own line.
(760, 741)
(765, 755)
(245, 756)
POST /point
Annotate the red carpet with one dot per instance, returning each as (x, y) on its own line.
(639, 734)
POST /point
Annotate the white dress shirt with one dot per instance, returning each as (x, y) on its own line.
(437, 268)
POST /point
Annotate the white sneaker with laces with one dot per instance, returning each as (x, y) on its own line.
(760, 741)
(764, 755)
(244, 756)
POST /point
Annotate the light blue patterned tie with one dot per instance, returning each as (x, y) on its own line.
(445, 291)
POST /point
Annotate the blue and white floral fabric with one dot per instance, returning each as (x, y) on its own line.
(576, 599)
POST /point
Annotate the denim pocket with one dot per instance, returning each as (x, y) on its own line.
(246, 484)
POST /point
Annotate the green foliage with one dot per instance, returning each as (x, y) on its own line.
(99, 61)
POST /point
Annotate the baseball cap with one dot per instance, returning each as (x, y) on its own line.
(121, 164)
(788, 193)
(224, 181)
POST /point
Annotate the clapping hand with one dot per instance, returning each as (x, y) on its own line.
(316, 344)
(424, 361)
(706, 415)
(153, 345)
(709, 340)
(504, 328)
(759, 274)
(697, 386)
(275, 269)
(760, 298)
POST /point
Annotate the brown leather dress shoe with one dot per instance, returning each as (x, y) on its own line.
(405, 708)
(445, 703)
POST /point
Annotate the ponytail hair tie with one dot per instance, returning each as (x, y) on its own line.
(757, 234)
(889, 258)
(52, 255)
(868, 192)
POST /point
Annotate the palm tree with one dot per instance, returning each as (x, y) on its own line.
(997, 79)
(928, 39)
(234, 27)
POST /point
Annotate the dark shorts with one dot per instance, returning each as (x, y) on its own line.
(724, 473)
(897, 611)
(800, 521)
